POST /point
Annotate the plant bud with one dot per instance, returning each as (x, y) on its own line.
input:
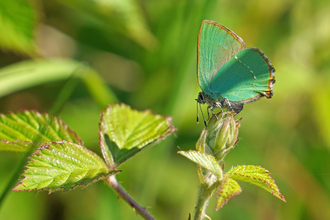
(221, 135)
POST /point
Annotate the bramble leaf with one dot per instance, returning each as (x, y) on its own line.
(255, 175)
(228, 188)
(62, 165)
(19, 131)
(206, 161)
(124, 132)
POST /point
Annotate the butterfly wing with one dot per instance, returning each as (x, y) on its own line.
(216, 45)
(245, 77)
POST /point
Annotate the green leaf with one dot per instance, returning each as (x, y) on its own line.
(98, 88)
(132, 17)
(62, 165)
(122, 16)
(255, 175)
(124, 132)
(228, 189)
(19, 131)
(16, 146)
(17, 21)
(207, 161)
(31, 73)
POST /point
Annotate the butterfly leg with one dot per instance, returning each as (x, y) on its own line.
(211, 107)
(219, 106)
(208, 113)
(227, 103)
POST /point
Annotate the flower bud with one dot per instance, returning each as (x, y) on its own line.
(200, 145)
(221, 135)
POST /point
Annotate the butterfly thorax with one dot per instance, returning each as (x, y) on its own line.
(219, 102)
(212, 102)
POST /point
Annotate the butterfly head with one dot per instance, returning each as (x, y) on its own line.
(201, 98)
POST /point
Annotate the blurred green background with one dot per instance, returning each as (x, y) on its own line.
(72, 57)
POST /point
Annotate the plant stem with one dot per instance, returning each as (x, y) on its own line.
(205, 193)
(202, 202)
(124, 195)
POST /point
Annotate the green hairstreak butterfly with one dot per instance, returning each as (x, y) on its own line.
(228, 73)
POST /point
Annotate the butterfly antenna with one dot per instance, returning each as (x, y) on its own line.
(203, 115)
(197, 112)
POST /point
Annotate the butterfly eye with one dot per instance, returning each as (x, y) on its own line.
(201, 98)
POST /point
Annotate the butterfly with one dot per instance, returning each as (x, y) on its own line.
(228, 73)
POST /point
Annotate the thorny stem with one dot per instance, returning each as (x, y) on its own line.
(205, 193)
(123, 194)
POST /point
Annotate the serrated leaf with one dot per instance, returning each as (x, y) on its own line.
(16, 146)
(124, 132)
(255, 175)
(228, 189)
(17, 21)
(19, 131)
(62, 165)
(206, 161)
